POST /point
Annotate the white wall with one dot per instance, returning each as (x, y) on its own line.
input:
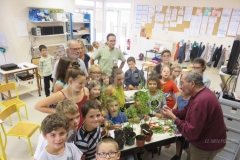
(12, 10)
(177, 36)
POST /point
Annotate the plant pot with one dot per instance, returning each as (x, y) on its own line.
(144, 126)
(120, 141)
(140, 140)
(148, 135)
(119, 133)
(130, 138)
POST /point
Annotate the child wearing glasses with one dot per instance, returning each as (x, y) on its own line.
(107, 149)
(176, 71)
(95, 73)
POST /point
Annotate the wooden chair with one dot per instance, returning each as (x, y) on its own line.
(7, 103)
(21, 129)
(36, 62)
(3, 156)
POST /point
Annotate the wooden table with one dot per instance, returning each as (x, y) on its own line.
(158, 140)
(22, 67)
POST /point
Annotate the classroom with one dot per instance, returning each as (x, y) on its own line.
(152, 79)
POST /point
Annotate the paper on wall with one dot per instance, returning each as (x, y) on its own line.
(166, 25)
(174, 14)
(203, 25)
(223, 25)
(180, 19)
(139, 7)
(159, 8)
(173, 24)
(158, 26)
(210, 29)
(161, 18)
(238, 32)
(212, 19)
(188, 13)
(21, 28)
(167, 17)
(3, 40)
(180, 11)
(234, 22)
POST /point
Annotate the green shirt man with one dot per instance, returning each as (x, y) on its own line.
(108, 56)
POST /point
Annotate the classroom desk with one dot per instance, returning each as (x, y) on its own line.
(149, 66)
(25, 66)
(158, 140)
(155, 52)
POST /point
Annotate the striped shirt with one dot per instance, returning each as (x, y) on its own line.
(87, 142)
(45, 65)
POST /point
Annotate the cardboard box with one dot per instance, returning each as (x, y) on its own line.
(78, 18)
(57, 16)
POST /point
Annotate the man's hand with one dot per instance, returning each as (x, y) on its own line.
(167, 113)
(130, 87)
(117, 126)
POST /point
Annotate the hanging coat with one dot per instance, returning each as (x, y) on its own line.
(187, 52)
(217, 57)
(176, 52)
(212, 53)
(222, 59)
(208, 55)
(193, 53)
(181, 55)
(203, 48)
(204, 54)
(199, 50)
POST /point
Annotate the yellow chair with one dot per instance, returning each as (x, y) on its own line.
(36, 62)
(9, 102)
(21, 129)
(3, 156)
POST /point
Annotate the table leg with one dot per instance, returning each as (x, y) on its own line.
(6, 80)
(182, 146)
(146, 56)
(36, 72)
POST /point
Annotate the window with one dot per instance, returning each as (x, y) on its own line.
(84, 3)
(118, 5)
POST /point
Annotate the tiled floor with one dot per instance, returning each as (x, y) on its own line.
(17, 149)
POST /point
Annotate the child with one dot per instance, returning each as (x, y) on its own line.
(107, 149)
(115, 117)
(90, 50)
(168, 86)
(116, 88)
(199, 65)
(166, 57)
(176, 71)
(89, 133)
(156, 96)
(94, 90)
(105, 81)
(45, 66)
(63, 67)
(54, 129)
(182, 101)
(137, 106)
(133, 77)
(95, 44)
(69, 110)
(95, 72)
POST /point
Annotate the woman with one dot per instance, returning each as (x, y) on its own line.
(75, 91)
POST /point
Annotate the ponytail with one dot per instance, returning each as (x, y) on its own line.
(116, 71)
(74, 72)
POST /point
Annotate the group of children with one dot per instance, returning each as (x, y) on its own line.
(98, 100)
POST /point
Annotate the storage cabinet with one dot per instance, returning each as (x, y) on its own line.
(231, 115)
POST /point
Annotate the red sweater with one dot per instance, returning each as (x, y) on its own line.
(201, 121)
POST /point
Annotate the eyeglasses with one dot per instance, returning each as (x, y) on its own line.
(75, 49)
(96, 72)
(196, 68)
(176, 71)
(104, 154)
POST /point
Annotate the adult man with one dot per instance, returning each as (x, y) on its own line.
(72, 50)
(201, 121)
(108, 55)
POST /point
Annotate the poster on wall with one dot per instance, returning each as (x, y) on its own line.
(207, 11)
(138, 18)
(158, 8)
(215, 12)
(234, 22)
(199, 11)
(179, 19)
(203, 26)
(146, 32)
(180, 11)
(151, 12)
(174, 14)
(188, 13)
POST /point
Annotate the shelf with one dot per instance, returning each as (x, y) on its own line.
(48, 21)
(22, 89)
(80, 34)
(51, 35)
(81, 22)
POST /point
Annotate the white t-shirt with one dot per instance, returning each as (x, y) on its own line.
(71, 152)
(82, 67)
(42, 143)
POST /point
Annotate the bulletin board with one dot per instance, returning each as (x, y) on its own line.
(196, 21)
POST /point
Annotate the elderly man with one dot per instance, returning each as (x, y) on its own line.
(72, 50)
(201, 121)
(108, 55)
